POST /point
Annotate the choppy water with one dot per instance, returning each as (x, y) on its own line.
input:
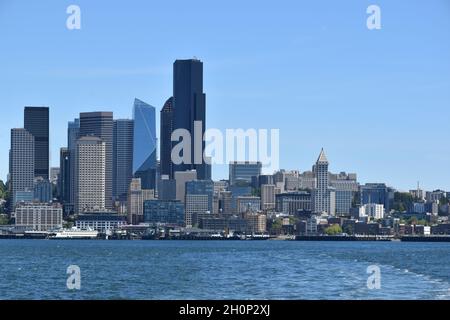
(36, 269)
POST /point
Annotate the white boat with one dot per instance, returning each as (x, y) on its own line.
(74, 233)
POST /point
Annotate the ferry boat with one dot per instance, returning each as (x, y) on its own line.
(74, 233)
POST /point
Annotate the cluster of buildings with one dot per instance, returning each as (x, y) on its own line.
(110, 178)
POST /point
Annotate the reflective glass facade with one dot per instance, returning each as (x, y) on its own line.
(144, 150)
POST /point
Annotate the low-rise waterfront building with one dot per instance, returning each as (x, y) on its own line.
(164, 211)
(38, 216)
(100, 221)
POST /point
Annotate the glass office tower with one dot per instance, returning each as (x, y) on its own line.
(144, 150)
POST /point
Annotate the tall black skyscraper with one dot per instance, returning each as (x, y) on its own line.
(73, 133)
(64, 176)
(122, 157)
(189, 105)
(36, 122)
(166, 128)
(101, 124)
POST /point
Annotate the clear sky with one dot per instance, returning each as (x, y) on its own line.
(378, 101)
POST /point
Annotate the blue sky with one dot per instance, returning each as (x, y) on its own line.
(378, 101)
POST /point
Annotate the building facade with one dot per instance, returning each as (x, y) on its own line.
(181, 177)
(248, 204)
(36, 122)
(377, 193)
(90, 174)
(321, 193)
(39, 217)
(136, 198)
(372, 210)
(73, 133)
(189, 108)
(64, 176)
(21, 162)
(103, 222)
(267, 197)
(243, 171)
(199, 200)
(123, 157)
(346, 186)
(144, 150)
(166, 129)
(101, 125)
(43, 190)
(162, 211)
(293, 202)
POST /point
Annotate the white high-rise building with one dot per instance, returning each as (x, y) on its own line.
(21, 162)
(373, 210)
(90, 174)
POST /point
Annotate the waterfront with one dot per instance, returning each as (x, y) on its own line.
(36, 269)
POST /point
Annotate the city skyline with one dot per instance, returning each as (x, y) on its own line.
(398, 71)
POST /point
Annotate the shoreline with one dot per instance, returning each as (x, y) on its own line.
(437, 238)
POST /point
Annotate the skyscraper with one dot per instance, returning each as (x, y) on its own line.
(321, 192)
(36, 122)
(189, 106)
(122, 157)
(166, 128)
(144, 150)
(100, 124)
(64, 176)
(21, 162)
(90, 174)
(73, 133)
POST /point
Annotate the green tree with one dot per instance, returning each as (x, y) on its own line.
(422, 222)
(276, 227)
(402, 201)
(356, 201)
(348, 229)
(256, 192)
(412, 220)
(333, 230)
(293, 220)
(4, 219)
(3, 190)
